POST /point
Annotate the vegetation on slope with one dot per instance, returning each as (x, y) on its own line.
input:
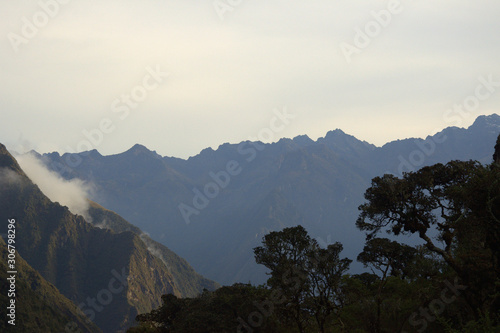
(111, 276)
(40, 307)
(449, 284)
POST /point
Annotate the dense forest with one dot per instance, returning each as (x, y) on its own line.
(449, 283)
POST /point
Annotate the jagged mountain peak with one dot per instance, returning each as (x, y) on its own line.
(94, 153)
(338, 136)
(138, 149)
(339, 141)
(496, 155)
(141, 150)
(303, 140)
(335, 133)
(205, 153)
(207, 150)
(35, 153)
(487, 122)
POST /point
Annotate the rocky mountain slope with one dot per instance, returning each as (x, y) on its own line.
(111, 276)
(39, 306)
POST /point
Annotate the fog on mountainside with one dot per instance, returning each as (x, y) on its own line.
(111, 276)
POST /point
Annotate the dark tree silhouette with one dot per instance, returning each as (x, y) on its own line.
(460, 201)
(496, 155)
(386, 256)
(309, 276)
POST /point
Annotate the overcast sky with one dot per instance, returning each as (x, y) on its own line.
(86, 66)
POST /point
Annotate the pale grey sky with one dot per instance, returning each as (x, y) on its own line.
(72, 66)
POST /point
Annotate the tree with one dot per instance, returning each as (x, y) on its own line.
(307, 275)
(325, 270)
(419, 203)
(383, 255)
(386, 256)
(236, 308)
(285, 254)
(460, 202)
(426, 265)
(496, 155)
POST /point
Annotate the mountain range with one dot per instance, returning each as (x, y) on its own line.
(147, 213)
(213, 208)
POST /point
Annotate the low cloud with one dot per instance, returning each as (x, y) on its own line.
(154, 249)
(72, 193)
(103, 225)
(9, 177)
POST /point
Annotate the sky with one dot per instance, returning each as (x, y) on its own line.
(180, 76)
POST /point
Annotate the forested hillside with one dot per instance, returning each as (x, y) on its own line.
(451, 283)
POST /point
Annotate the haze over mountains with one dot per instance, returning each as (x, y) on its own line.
(213, 208)
(111, 275)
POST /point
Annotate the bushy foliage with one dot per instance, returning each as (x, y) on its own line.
(450, 284)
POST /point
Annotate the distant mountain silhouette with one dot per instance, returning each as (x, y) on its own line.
(213, 208)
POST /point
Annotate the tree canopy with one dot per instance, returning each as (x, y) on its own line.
(449, 284)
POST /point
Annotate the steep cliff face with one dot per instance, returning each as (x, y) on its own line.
(186, 280)
(111, 276)
(39, 306)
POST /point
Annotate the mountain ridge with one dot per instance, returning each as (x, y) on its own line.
(492, 119)
(86, 263)
(324, 182)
